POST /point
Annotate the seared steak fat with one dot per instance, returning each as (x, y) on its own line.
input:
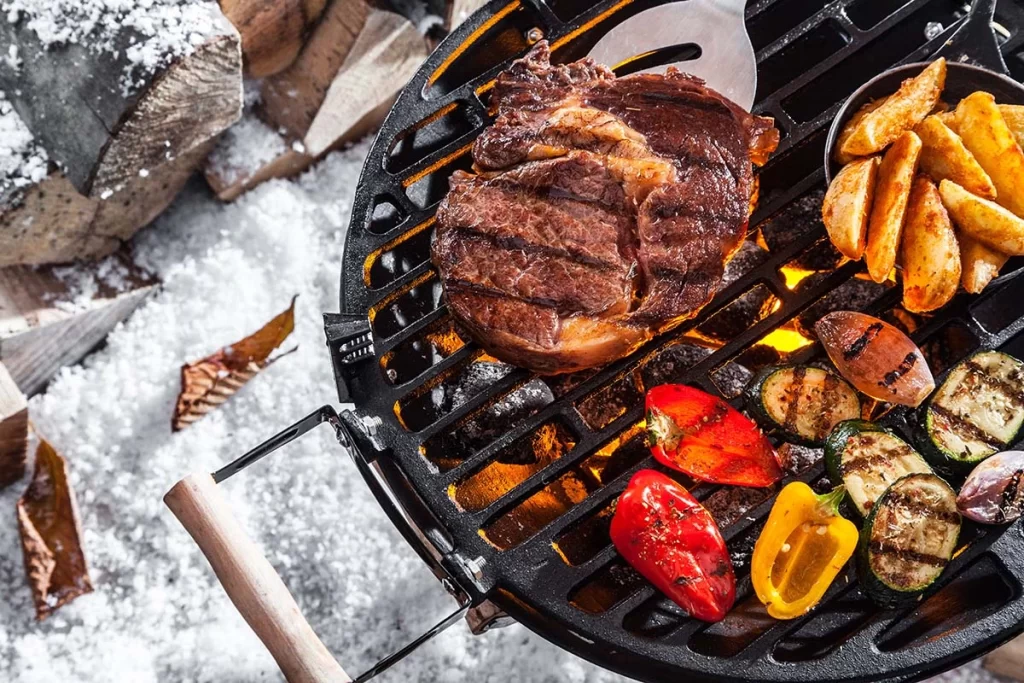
(603, 211)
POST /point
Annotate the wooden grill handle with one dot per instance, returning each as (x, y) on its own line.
(251, 582)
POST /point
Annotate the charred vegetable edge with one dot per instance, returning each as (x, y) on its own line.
(940, 458)
(875, 588)
(760, 384)
(835, 446)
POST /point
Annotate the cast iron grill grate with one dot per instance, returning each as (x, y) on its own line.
(522, 471)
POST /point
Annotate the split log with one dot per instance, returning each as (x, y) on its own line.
(1008, 660)
(47, 323)
(389, 50)
(273, 31)
(339, 88)
(291, 99)
(121, 150)
(13, 430)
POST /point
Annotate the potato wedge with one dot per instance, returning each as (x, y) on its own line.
(1013, 114)
(901, 111)
(851, 126)
(979, 265)
(948, 118)
(847, 206)
(895, 176)
(930, 253)
(986, 135)
(984, 220)
(943, 155)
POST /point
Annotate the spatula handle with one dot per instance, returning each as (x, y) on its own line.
(252, 583)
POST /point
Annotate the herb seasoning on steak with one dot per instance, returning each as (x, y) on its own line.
(603, 211)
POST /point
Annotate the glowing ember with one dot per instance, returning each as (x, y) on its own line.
(785, 340)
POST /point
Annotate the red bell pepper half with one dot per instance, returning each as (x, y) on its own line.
(665, 534)
(703, 436)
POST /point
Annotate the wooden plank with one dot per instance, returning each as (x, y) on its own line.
(388, 51)
(45, 326)
(13, 430)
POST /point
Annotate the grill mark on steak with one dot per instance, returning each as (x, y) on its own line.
(541, 216)
(484, 312)
(512, 243)
(553, 280)
(603, 211)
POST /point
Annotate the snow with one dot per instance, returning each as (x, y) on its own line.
(160, 30)
(84, 282)
(12, 58)
(158, 613)
(22, 161)
(245, 148)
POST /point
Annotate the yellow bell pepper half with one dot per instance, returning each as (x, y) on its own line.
(803, 545)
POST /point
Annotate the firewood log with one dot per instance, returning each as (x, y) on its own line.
(45, 323)
(291, 99)
(120, 149)
(273, 31)
(338, 89)
(388, 50)
(13, 430)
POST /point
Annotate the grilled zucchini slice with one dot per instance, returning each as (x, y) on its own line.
(977, 412)
(802, 401)
(908, 539)
(866, 459)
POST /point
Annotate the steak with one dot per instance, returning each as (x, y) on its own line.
(602, 211)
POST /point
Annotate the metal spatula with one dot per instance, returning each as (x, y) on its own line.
(726, 62)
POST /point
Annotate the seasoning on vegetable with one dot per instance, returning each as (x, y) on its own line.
(703, 436)
(665, 534)
(801, 549)
(978, 411)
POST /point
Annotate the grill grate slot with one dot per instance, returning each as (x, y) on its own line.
(541, 524)
(513, 465)
(501, 38)
(766, 27)
(831, 626)
(558, 497)
(818, 44)
(806, 102)
(429, 136)
(979, 591)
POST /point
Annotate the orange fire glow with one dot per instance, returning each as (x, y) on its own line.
(793, 276)
(785, 340)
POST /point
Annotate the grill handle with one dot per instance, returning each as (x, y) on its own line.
(251, 582)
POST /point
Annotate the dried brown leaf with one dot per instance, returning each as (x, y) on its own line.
(207, 383)
(50, 535)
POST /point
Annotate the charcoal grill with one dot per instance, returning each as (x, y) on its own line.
(505, 482)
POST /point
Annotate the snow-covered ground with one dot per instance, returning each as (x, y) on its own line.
(157, 613)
